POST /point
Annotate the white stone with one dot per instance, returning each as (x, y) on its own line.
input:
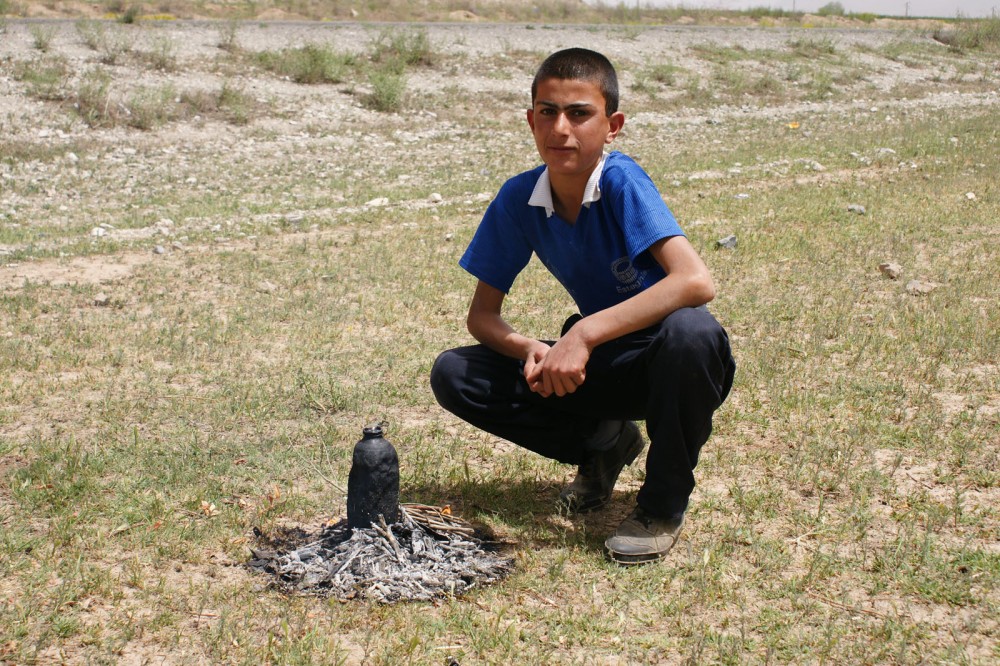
(891, 270)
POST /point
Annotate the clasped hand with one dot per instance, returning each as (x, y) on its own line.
(559, 369)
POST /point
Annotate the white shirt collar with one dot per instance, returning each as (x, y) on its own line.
(541, 196)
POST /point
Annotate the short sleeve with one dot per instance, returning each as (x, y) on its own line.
(639, 207)
(499, 251)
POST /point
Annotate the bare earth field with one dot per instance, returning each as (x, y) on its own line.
(225, 247)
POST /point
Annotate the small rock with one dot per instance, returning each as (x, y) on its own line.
(891, 270)
(885, 152)
(816, 166)
(177, 245)
(267, 287)
(293, 218)
(856, 208)
(72, 158)
(98, 232)
(918, 288)
(742, 195)
(378, 202)
(971, 196)
(449, 237)
(435, 197)
(159, 249)
(728, 242)
(102, 300)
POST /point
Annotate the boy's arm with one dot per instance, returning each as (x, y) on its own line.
(687, 284)
(487, 325)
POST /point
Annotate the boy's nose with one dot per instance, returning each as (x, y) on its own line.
(562, 124)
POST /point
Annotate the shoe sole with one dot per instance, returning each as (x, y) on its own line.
(635, 560)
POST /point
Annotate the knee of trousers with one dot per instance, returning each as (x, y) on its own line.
(446, 375)
(692, 336)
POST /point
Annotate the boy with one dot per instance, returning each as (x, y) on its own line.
(642, 347)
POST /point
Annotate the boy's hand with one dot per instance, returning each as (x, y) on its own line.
(559, 369)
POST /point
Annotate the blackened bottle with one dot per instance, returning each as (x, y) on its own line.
(373, 484)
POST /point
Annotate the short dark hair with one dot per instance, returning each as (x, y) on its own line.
(583, 65)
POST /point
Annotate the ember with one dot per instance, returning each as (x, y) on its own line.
(427, 554)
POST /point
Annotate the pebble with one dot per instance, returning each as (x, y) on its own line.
(742, 195)
(102, 300)
(918, 288)
(856, 208)
(435, 197)
(159, 249)
(98, 232)
(971, 196)
(378, 202)
(728, 242)
(891, 270)
(267, 287)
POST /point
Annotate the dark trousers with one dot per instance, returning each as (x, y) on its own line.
(673, 375)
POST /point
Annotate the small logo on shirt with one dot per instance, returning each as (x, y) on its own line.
(627, 275)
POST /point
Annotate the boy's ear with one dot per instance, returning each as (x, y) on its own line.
(531, 119)
(615, 123)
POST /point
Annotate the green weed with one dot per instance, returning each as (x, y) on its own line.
(42, 36)
(45, 79)
(310, 64)
(388, 90)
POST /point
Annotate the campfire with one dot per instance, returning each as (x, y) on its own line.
(420, 553)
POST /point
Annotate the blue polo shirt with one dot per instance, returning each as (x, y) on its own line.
(601, 260)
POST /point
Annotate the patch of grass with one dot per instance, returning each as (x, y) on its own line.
(310, 64)
(230, 101)
(720, 54)
(148, 108)
(45, 79)
(162, 55)
(93, 100)
(229, 36)
(388, 90)
(398, 49)
(813, 48)
(982, 35)
(91, 32)
(130, 15)
(111, 44)
(42, 36)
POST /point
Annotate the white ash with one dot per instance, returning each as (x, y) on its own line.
(404, 561)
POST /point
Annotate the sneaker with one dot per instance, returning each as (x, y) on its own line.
(641, 538)
(596, 476)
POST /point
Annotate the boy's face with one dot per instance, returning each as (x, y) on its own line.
(570, 126)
